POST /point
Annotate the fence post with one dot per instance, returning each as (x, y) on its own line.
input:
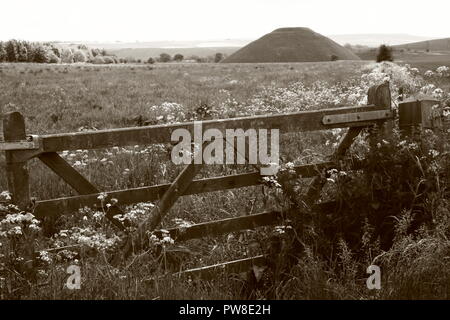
(17, 171)
(415, 115)
(380, 95)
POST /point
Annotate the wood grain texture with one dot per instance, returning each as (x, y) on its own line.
(379, 95)
(291, 122)
(153, 193)
(79, 183)
(17, 171)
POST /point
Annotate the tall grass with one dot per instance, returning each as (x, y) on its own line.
(397, 224)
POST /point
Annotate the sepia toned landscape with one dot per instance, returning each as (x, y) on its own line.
(368, 188)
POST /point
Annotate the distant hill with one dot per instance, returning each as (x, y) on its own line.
(430, 50)
(291, 45)
(203, 48)
(430, 45)
(375, 40)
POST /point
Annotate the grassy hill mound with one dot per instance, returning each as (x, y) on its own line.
(291, 45)
(430, 45)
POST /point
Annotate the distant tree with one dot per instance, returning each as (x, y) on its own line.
(56, 51)
(201, 59)
(79, 56)
(39, 54)
(52, 58)
(95, 52)
(130, 60)
(2, 52)
(178, 57)
(334, 57)
(66, 56)
(11, 51)
(218, 57)
(139, 61)
(151, 60)
(22, 52)
(384, 53)
(98, 60)
(164, 57)
(108, 59)
(103, 52)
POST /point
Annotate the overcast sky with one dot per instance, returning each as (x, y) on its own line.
(149, 20)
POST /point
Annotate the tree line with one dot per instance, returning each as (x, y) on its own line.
(38, 52)
(165, 57)
(48, 52)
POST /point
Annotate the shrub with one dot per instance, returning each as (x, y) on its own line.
(2, 52)
(22, 52)
(108, 60)
(201, 59)
(130, 60)
(334, 57)
(151, 60)
(39, 54)
(52, 58)
(98, 60)
(56, 51)
(178, 57)
(384, 53)
(164, 57)
(66, 56)
(218, 57)
(11, 51)
(79, 56)
(95, 52)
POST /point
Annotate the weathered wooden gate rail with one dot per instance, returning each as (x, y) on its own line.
(20, 148)
(292, 122)
(151, 193)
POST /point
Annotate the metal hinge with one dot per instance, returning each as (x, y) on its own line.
(31, 143)
(358, 117)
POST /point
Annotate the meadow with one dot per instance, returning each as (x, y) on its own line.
(59, 98)
(66, 98)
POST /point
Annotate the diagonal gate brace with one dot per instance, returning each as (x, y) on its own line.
(73, 178)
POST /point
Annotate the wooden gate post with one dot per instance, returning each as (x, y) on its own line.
(415, 115)
(381, 96)
(17, 171)
(378, 95)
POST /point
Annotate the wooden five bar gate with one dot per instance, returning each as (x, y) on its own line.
(20, 148)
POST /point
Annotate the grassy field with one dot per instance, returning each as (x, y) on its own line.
(63, 98)
(419, 59)
(59, 98)
(56, 98)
